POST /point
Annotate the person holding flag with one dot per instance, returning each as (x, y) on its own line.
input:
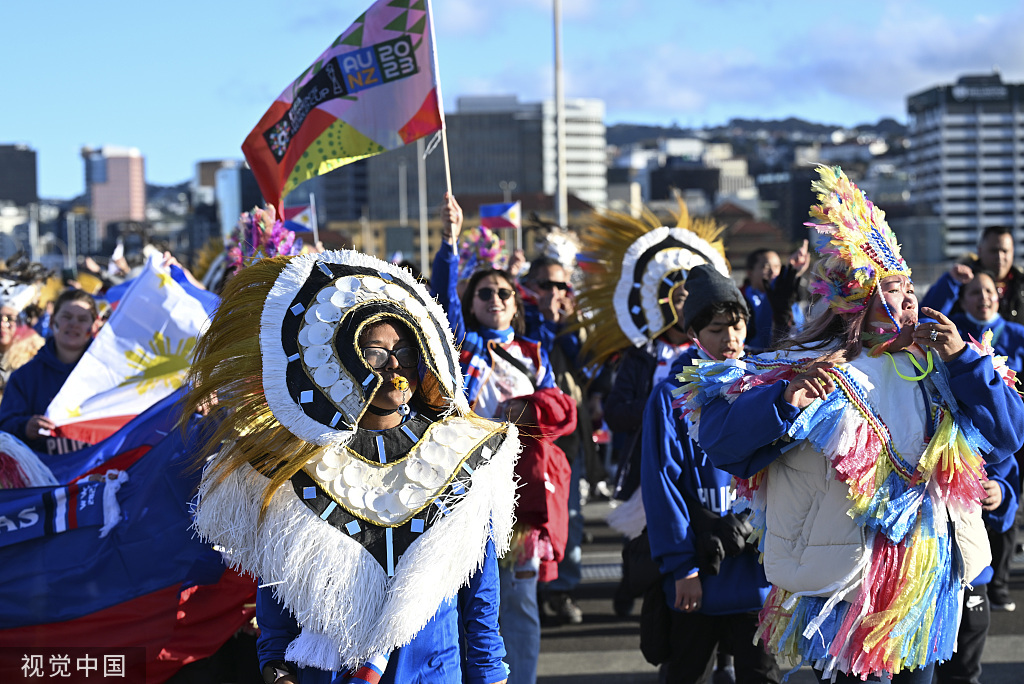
(75, 322)
(509, 377)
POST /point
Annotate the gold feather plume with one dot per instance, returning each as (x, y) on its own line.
(226, 382)
(605, 242)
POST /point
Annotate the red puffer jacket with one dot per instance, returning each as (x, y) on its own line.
(544, 470)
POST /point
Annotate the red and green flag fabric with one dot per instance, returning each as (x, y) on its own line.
(374, 89)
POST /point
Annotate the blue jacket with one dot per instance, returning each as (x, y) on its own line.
(744, 436)
(1007, 474)
(1007, 337)
(469, 622)
(759, 330)
(29, 392)
(671, 462)
(759, 333)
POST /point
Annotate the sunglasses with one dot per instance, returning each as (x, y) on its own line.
(486, 294)
(377, 358)
(548, 285)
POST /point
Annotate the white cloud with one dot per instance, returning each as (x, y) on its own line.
(909, 49)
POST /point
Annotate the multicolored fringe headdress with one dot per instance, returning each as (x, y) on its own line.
(362, 534)
(632, 267)
(858, 248)
(259, 233)
(480, 248)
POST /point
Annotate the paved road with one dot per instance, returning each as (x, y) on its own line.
(607, 648)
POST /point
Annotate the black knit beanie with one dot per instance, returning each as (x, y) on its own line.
(705, 287)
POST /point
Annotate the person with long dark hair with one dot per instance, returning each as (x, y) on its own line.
(31, 388)
(861, 445)
(509, 377)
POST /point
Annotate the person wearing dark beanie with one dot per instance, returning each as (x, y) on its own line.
(712, 582)
(706, 287)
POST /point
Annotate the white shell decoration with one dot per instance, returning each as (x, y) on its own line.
(396, 292)
(388, 495)
(327, 374)
(328, 312)
(332, 459)
(317, 356)
(320, 333)
(347, 284)
(310, 315)
(325, 472)
(341, 389)
(342, 300)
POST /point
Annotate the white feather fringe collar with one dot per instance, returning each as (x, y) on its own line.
(347, 606)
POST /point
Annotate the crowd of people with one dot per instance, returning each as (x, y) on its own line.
(810, 468)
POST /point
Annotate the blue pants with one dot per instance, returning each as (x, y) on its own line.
(519, 620)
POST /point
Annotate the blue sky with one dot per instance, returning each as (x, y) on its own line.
(186, 81)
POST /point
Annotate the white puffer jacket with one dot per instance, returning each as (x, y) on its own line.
(812, 544)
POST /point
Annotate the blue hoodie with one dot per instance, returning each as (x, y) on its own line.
(670, 462)
(29, 392)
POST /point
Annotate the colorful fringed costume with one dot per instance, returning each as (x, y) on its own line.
(866, 502)
(365, 541)
(855, 496)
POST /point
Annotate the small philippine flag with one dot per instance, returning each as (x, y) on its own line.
(503, 215)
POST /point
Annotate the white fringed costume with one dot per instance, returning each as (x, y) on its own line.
(362, 535)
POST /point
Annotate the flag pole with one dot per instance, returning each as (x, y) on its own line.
(421, 178)
(312, 216)
(440, 100)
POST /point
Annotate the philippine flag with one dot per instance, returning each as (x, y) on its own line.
(298, 219)
(503, 215)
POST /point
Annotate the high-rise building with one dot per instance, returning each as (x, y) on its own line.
(340, 194)
(967, 157)
(18, 175)
(498, 143)
(115, 184)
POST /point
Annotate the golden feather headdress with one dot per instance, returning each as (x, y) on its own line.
(631, 267)
(279, 370)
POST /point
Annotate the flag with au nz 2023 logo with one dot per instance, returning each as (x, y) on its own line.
(373, 90)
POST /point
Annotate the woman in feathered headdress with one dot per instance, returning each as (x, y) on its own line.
(863, 470)
(348, 473)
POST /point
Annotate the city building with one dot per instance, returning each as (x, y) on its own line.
(497, 145)
(966, 157)
(705, 173)
(18, 175)
(115, 186)
(340, 194)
